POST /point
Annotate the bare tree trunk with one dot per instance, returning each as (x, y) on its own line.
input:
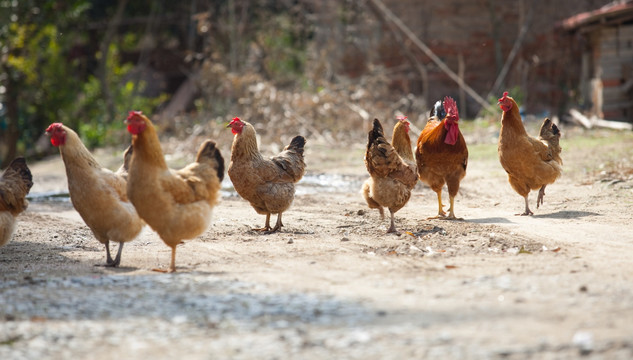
(428, 52)
(513, 53)
(415, 63)
(461, 72)
(10, 138)
(233, 37)
(495, 35)
(103, 64)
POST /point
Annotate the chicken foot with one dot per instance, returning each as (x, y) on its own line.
(109, 261)
(451, 213)
(541, 194)
(278, 225)
(117, 259)
(266, 227)
(392, 228)
(172, 265)
(527, 208)
(440, 212)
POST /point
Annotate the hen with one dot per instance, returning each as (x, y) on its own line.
(98, 194)
(177, 204)
(392, 169)
(15, 183)
(530, 163)
(441, 153)
(268, 184)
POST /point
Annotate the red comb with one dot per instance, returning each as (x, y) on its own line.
(505, 95)
(54, 126)
(450, 106)
(131, 114)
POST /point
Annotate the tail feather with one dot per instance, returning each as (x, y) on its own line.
(550, 133)
(127, 158)
(297, 144)
(209, 150)
(19, 166)
(438, 110)
(375, 134)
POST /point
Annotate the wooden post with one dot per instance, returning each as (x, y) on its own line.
(428, 52)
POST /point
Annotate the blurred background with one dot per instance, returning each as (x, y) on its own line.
(321, 68)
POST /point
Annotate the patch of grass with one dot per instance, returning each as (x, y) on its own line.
(614, 140)
(482, 152)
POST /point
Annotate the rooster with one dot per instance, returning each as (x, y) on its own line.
(441, 153)
(15, 183)
(392, 169)
(98, 194)
(177, 204)
(268, 184)
(531, 163)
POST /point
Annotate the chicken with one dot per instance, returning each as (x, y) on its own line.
(177, 204)
(15, 183)
(127, 157)
(98, 194)
(441, 153)
(268, 184)
(530, 163)
(392, 169)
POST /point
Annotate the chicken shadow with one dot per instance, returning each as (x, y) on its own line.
(491, 220)
(566, 214)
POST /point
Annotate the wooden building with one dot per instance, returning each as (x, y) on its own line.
(606, 75)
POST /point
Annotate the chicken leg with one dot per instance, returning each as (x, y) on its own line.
(527, 208)
(109, 261)
(278, 225)
(440, 212)
(172, 265)
(451, 213)
(266, 227)
(117, 259)
(541, 194)
(392, 228)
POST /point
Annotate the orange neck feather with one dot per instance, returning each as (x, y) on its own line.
(401, 141)
(147, 146)
(245, 143)
(75, 151)
(512, 119)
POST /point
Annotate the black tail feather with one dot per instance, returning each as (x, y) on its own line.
(297, 144)
(209, 150)
(438, 110)
(376, 133)
(220, 160)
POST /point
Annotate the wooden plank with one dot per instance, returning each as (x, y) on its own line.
(580, 118)
(596, 122)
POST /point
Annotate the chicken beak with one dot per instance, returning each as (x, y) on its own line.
(228, 125)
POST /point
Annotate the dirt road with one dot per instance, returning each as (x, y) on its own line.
(333, 285)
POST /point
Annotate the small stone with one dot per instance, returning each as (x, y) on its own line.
(345, 239)
(290, 241)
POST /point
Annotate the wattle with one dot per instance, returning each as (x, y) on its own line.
(452, 133)
(56, 141)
